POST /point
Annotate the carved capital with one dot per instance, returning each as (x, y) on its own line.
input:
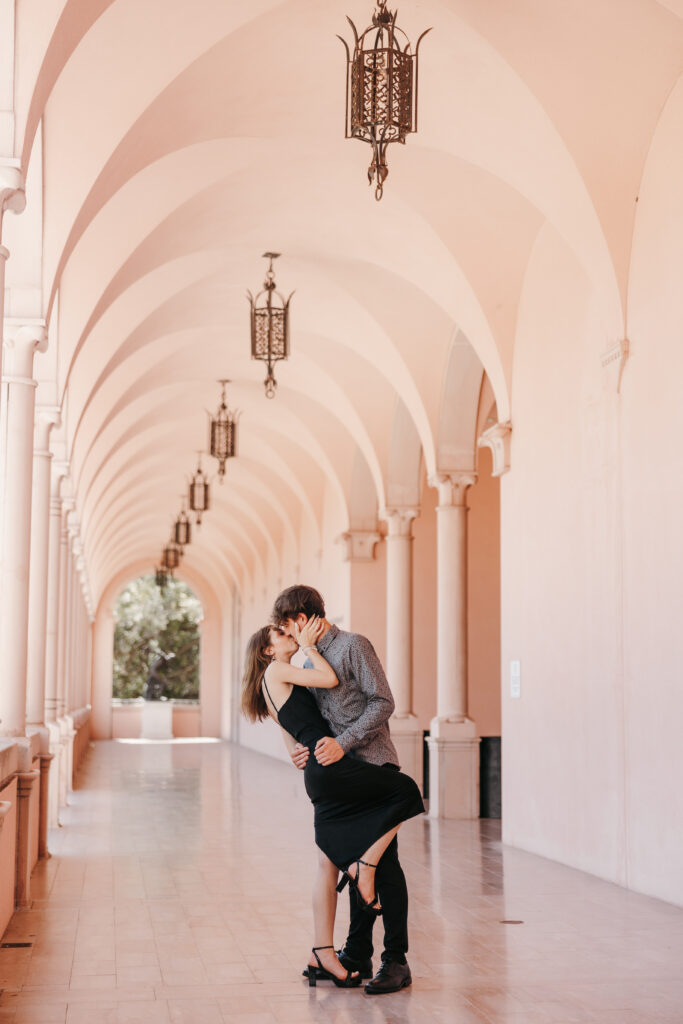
(12, 190)
(399, 519)
(359, 545)
(452, 487)
(497, 438)
(59, 472)
(21, 340)
(613, 362)
(47, 417)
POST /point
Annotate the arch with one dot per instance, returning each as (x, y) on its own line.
(210, 688)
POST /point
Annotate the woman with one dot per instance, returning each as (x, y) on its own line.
(358, 806)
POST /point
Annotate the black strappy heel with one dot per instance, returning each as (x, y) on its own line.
(320, 972)
(373, 906)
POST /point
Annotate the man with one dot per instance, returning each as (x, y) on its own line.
(358, 712)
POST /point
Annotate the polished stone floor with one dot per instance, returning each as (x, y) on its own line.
(178, 891)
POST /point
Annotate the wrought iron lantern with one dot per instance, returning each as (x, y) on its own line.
(182, 529)
(223, 440)
(161, 578)
(170, 558)
(199, 492)
(269, 325)
(381, 88)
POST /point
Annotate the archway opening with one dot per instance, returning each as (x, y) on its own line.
(157, 645)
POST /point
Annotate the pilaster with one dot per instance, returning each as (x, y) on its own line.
(359, 545)
(21, 342)
(497, 439)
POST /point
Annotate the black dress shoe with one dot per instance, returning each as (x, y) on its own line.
(391, 977)
(364, 967)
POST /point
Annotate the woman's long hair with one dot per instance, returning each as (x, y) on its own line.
(256, 661)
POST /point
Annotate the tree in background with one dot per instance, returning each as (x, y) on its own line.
(151, 622)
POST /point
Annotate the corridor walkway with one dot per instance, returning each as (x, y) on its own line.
(179, 887)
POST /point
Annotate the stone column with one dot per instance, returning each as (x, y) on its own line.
(103, 648)
(52, 609)
(46, 419)
(12, 197)
(52, 640)
(72, 652)
(16, 462)
(453, 742)
(62, 646)
(405, 730)
(63, 624)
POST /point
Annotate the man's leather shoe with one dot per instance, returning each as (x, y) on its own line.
(391, 977)
(364, 967)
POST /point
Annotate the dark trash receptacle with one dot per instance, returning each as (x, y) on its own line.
(489, 777)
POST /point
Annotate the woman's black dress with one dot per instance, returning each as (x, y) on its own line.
(355, 802)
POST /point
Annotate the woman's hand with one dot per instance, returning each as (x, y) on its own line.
(311, 633)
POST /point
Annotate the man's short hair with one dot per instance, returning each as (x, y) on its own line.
(295, 601)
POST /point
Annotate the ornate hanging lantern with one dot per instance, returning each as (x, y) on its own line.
(223, 440)
(381, 88)
(199, 492)
(170, 558)
(161, 578)
(182, 529)
(269, 325)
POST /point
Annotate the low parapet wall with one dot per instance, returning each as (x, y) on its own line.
(26, 776)
(127, 718)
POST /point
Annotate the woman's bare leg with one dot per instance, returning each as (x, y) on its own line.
(324, 913)
(366, 881)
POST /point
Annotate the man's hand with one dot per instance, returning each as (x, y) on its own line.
(299, 755)
(327, 751)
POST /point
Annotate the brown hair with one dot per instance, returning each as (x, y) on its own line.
(298, 600)
(256, 661)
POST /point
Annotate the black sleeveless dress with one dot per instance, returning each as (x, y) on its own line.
(354, 802)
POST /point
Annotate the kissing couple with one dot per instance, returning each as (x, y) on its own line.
(334, 715)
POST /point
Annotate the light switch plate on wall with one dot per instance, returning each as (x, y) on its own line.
(515, 679)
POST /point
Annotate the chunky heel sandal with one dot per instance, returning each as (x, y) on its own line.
(373, 906)
(320, 972)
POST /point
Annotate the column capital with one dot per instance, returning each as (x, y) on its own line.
(497, 438)
(12, 190)
(68, 505)
(21, 340)
(359, 545)
(399, 519)
(452, 487)
(59, 470)
(46, 417)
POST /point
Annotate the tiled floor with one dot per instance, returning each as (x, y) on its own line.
(179, 891)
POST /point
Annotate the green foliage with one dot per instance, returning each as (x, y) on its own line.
(151, 622)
